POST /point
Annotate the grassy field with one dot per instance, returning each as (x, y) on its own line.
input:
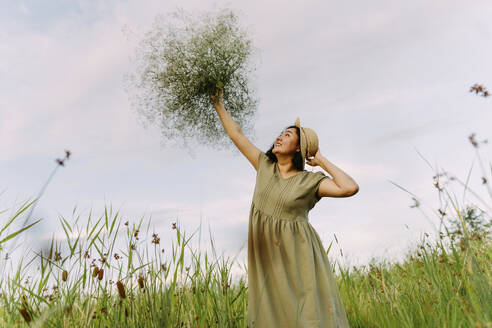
(109, 272)
(85, 283)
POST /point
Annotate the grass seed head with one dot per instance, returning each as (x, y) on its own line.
(25, 314)
(141, 281)
(121, 289)
(95, 271)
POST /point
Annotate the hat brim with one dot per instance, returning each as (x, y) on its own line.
(302, 141)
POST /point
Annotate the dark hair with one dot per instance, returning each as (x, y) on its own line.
(297, 159)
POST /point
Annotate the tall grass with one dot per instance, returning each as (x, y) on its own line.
(108, 271)
(433, 287)
(87, 282)
(442, 283)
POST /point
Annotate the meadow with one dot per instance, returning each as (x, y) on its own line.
(84, 280)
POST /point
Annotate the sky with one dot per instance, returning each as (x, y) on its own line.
(385, 84)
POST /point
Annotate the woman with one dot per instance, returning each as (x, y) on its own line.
(290, 282)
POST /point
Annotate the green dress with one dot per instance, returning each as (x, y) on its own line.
(290, 281)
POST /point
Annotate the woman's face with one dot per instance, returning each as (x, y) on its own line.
(286, 142)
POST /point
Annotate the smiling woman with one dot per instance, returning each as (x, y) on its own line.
(290, 280)
(286, 143)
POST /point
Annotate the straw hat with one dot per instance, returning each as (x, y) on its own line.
(309, 142)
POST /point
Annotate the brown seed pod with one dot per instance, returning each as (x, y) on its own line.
(95, 272)
(25, 314)
(64, 275)
(141, 281)
(100, 274)
(121, 289)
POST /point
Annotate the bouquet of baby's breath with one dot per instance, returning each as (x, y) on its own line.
(181, 62)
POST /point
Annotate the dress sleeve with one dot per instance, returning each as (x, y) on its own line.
(262, 161)
(316, 178)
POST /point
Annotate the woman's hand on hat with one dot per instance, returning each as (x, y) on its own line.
(316, 160)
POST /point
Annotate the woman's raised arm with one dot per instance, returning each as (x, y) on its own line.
(247, 148)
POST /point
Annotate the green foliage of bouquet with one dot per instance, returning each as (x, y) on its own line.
(181, 62)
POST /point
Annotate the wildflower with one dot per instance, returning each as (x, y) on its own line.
(126, 223)
(121, 289)
(155, 239)
(116, 256)
(478, 88)
(141, 281)
(473, 141)
(57, 256)
(163, 267)
(174, 225)
(60, 162)
(86, 255)
(135, 234)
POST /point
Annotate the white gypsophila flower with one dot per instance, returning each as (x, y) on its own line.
(181, 62)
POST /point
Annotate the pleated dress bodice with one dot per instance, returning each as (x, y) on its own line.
(288, 198)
